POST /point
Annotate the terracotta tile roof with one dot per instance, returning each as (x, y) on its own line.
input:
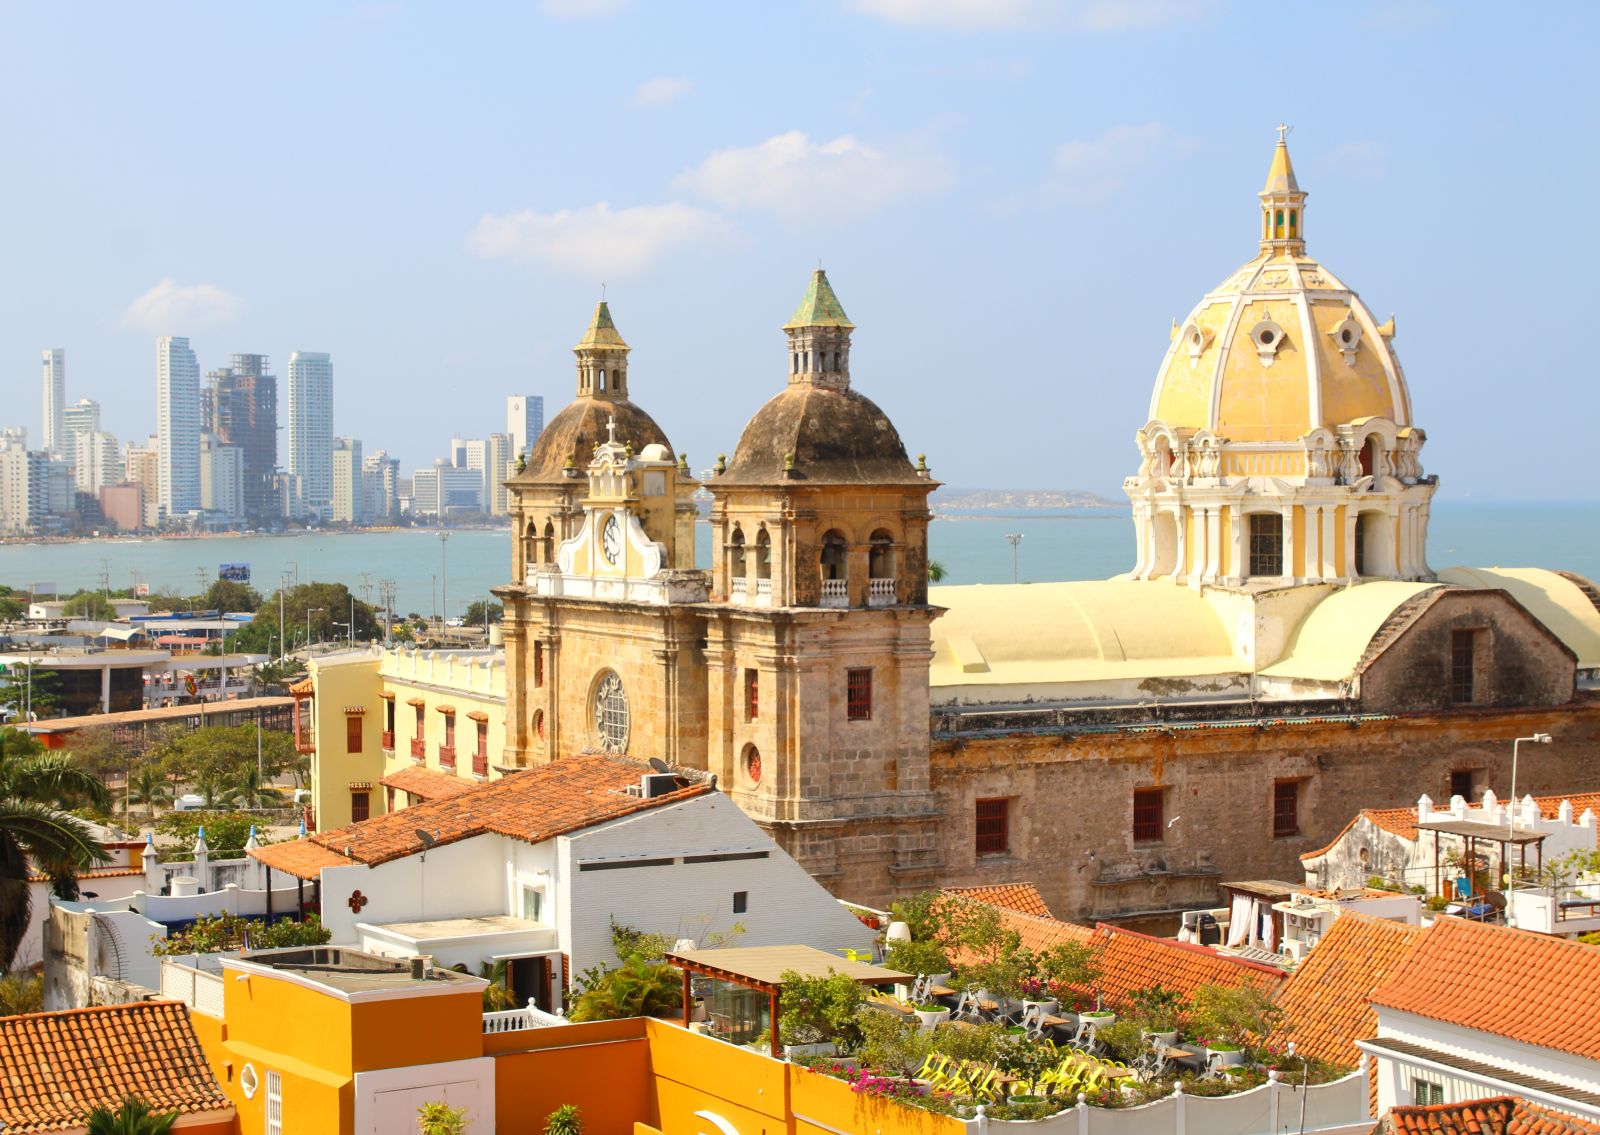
(531, 804)
(1130, 961)
(1497, 1115)
(93, 873)
(303, 688)
(1527, 987)
(427, 784)
(300, 858)
(1024, 898)
(55, 1067)
(1403, 821)
(1326, 1003)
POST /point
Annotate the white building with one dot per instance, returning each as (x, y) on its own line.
(446, 490)
(499, 465)
(311, 428)
(24, 486)
(82, 417)
(97, 458)
(524, 422)
(543, 862)
(1476, 1011)
(349, 493)
(221, 477)
(178, 425)
(380, 486)
(54, 371)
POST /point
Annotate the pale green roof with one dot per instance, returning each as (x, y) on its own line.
(1550, 597)
(602, 334)
(820, 308)
(1330, 641)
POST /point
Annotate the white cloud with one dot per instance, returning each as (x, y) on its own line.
(799, 179)
(582, 9)
(1090, 171)
(595, 241)
(171, 308)
(1041, 15)
(661, 90)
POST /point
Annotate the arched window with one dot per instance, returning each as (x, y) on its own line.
(530, 543)
(1360, 548)
(602, 378)
(1371, 455)
(736, 561)
(549, 542)
(751, 759)
(538, 724)
(763, 555)
(1292, 218)
(794, 362)
(834, 560)
(880, 556)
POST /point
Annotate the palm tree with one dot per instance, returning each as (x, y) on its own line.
(133, 1118)
(150, 787)
(251, 789)
(935, 571)
(35, 789)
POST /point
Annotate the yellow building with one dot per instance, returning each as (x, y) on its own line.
(385, 728)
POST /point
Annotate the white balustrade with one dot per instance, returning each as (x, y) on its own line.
(834, 593)
(880, 592)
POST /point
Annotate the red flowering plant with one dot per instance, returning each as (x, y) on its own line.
(1035, 989)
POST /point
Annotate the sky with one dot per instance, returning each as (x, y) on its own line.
(1013, 199)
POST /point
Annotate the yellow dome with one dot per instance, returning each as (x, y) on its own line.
(1281, 347)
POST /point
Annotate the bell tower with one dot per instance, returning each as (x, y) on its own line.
(818, 637)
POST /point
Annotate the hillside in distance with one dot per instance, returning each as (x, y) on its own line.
(972, 500)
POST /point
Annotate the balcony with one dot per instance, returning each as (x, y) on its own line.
(764, 591)
(447, 756)
(739, 589)
(835, 593)
(303, 742)
(418, 752)
(480, 763)
(387, 740)
(880, 592)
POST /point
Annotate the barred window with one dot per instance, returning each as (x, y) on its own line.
(1286, 808)
(1463, 673)
(1147, 815)
(994, 827)
(752, 694)
(1266, 543)
(858, 695)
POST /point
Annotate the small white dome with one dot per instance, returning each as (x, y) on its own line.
(655, 451)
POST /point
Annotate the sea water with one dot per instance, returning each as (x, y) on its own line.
(433, 575)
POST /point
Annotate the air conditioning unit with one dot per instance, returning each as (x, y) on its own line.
(655, 784)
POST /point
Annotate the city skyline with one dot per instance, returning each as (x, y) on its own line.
(1038, 166)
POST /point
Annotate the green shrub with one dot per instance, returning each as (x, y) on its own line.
(437, 1118)
(564, 1120)
(813, 1010)
(223, 932)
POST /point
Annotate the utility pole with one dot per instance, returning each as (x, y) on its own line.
(386, 596)
(444, 576)
(1015, 538)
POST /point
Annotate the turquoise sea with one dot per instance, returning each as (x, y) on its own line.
(1068, 544)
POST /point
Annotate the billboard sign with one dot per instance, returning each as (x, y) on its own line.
(234, 573)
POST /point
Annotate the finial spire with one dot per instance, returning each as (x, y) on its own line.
(1282, 202)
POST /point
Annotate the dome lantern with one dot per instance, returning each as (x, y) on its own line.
(1282, 204)
(819, 337)
(602, 358)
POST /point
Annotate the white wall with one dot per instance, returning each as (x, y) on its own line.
(1531, 1060)
(786, 905)
(107, 891)
(453, 881)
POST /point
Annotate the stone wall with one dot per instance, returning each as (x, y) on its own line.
(1072, 795)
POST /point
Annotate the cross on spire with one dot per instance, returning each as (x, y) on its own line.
(1283, 133)
(611, 430)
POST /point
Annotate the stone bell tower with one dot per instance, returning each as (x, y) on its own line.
(817, 641)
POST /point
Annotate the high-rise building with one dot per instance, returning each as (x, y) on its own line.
(241, 408)
(311, 428)
(24, 484)
(82, 417)
(349, 498)
(221, 477)
(446, 490)
(380, 484)
(55, 396)
(499, 465)
(123, 505)
(178, 424)
(96, 460)
(524, 421)
(142, 465)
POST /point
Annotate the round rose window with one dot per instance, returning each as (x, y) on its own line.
(752, 764)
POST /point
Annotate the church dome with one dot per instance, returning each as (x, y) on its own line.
(1282, 346)
(818, 430)
(571, 436)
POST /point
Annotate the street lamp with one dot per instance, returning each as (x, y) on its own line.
(309, 610)
(444, 577)
(1015, 538)
(1511, 822)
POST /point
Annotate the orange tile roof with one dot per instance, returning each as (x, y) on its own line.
(1023, 898)
(1527, 987)
(426, 783)
(56, 1067)
(1129, 961)
(300, 858)
(1326, 1002)
(532, 804)
(1496, 1115)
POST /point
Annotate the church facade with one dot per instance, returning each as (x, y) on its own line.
(1280, 655)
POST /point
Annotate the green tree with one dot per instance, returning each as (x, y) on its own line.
(134, 1117)
(227, 595)
(936, 571)
(812, 1010)
(325, 603)
(21, 993)
(475, 611)
(218, 759)
(17, 691)
(150, 788)
(36, 789)
(226, 832)
(636, 988)
(11, 605)
(90, 605)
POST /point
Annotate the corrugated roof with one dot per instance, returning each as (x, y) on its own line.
(1526, 987)
(56, 1067)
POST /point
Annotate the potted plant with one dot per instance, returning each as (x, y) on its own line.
(564, 1120)
(932, 1014)
(817, 1014)
(1159, 1012)
(439, 1118)
(1231, 1017)
(920, 958)
(1036, 995)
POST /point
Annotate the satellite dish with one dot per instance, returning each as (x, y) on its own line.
(660, 765)
(426, 837)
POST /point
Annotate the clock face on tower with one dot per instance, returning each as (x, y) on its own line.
(611, 541)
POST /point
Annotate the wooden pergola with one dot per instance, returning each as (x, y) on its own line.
(1475, 832)
(762, 968)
